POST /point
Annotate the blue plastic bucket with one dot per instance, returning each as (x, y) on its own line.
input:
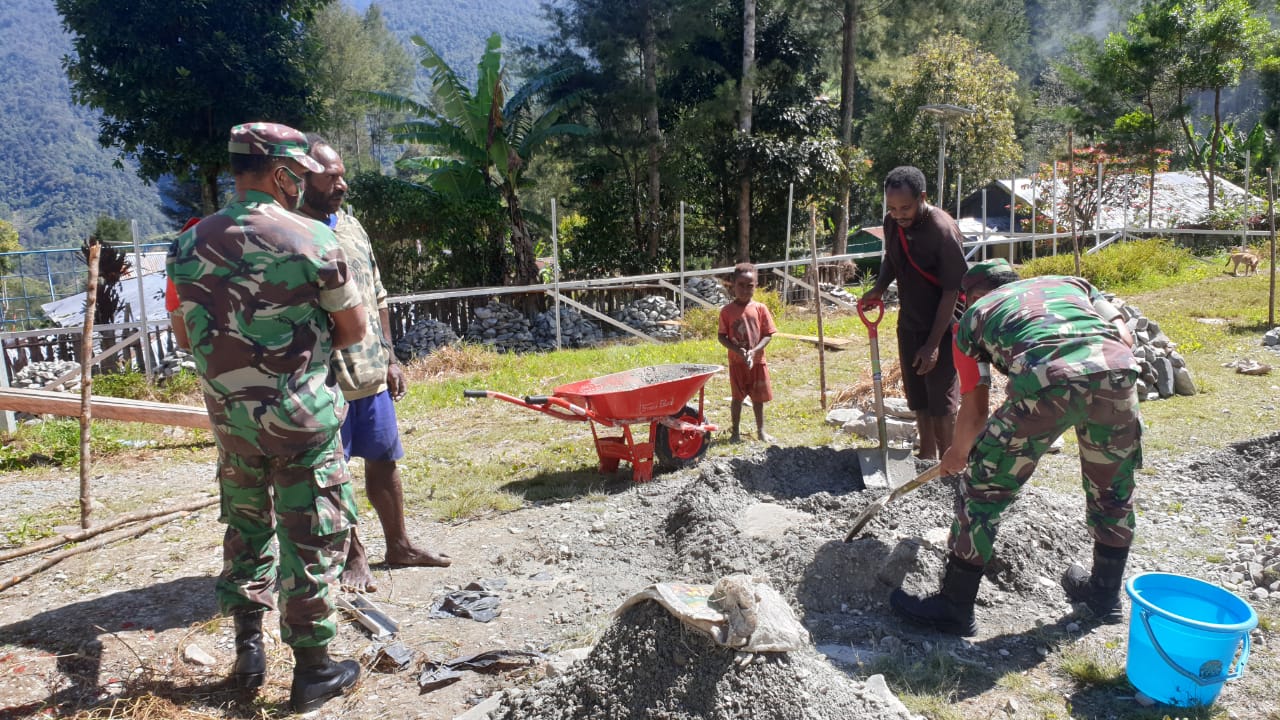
(1184, 635)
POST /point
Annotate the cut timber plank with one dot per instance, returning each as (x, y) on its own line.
(41, 402)
(829, 343)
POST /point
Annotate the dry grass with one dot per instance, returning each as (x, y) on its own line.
(861, 394)
(449, 361)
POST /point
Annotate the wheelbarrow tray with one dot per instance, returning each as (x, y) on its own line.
(639, 394)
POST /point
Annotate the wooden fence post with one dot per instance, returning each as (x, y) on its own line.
(86, 382)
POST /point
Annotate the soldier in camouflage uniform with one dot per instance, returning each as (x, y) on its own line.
(370, 378)
(1067, 353)
(264, 298)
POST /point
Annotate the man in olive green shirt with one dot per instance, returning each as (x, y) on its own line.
(370, 378)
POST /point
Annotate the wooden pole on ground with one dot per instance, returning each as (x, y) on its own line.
(101, 542)
(53, 542)
(86, 382)
(817, 303)
(1271, 217)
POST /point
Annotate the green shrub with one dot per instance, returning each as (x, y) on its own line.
(701, 322)
(182, 388)
(771, 300)
(1135, 264)
(130, 384)
(54, 442)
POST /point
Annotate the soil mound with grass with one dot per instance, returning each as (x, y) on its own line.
(648, 665)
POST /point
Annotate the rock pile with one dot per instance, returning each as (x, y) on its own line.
(707, 288)
(501, 327)
(649, 665)
(575, 330)
(175, 363)
(647, 315)
(44, 375)
(1164, 372)
(423, 338)
(1271, 340)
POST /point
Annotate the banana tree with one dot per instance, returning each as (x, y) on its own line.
(481, 141)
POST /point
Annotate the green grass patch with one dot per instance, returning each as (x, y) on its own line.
(1089, 667)
(1127, 267)
(56, 442)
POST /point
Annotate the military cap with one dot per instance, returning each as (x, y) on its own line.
(274, 139)
(980, 273)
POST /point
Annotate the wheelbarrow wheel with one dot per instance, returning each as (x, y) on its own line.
(676, 449)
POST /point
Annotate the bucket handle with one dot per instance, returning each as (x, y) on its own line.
(1145, 615)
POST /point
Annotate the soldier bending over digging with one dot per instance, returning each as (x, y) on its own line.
(1067, 353)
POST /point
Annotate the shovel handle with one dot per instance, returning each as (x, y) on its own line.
(871, 323)
(879, 503)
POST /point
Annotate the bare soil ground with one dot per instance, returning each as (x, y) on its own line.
(117, 626)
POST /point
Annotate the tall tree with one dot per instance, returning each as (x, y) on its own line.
(649, 64)
(171, 77)
(948, 70)
(1214, 42)
(483, 140)
(356, 54)
(848, 90)
(745, 106)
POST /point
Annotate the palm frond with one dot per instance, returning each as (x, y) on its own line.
(535, 86)
(449, 176)
(447, 137)
(396, 103)
(450, 95)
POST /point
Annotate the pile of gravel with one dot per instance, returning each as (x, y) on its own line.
(1164, 371)
(44, 375)
(707, 288)
(648, 666)
(501, 327)
(647, 314)
(1252, 567)
(575, 330)
(423, 338)
(1271, 339)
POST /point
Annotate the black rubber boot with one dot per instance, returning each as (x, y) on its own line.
(316, 678)
(950, 610)
(1100, 589)
(251, 657)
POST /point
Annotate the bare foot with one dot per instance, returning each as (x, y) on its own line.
(735, 438)
(416, 557)
(357, 577)
(766, 437)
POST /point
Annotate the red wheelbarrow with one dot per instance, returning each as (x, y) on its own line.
(659, 395)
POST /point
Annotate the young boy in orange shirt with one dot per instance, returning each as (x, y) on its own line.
(746, 327)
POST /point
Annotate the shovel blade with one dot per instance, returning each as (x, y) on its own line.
(875, 475)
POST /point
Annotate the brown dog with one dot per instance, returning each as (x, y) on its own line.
(1248, 259)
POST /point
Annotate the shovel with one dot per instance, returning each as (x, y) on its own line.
(880, 467)
(865, 516)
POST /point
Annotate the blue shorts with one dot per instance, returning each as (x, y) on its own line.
(370, 430)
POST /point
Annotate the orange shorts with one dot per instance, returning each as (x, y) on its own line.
(752, 382)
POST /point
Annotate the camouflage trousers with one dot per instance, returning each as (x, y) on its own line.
(1103, 409)
(306, 504)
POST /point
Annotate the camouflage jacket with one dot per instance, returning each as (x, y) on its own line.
(1042, 331)
(255, 284)
(362, 368)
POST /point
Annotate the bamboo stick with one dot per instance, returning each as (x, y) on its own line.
(53, 542)
(86, 383)
(817, 302)
(101, 542)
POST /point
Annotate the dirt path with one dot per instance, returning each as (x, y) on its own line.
(123, 622)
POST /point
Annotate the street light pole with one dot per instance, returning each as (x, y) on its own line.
(944, 112)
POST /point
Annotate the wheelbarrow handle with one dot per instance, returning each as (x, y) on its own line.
(876, 304)
(475, 393)
(537, 399)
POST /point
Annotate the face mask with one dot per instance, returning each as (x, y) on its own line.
(299, 187)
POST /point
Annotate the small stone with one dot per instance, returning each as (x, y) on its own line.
(597, 526)
(1003, 653)
(1260, 593)
(1011, 706)
(1073, 627)
(515, 530)
(196, 655)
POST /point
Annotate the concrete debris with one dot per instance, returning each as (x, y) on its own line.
(502, 328)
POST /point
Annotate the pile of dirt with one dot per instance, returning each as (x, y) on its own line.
(649, 665)
(1252, 465)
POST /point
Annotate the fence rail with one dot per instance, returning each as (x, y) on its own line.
(601, 295)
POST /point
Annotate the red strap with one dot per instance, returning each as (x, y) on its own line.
(902, 237)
